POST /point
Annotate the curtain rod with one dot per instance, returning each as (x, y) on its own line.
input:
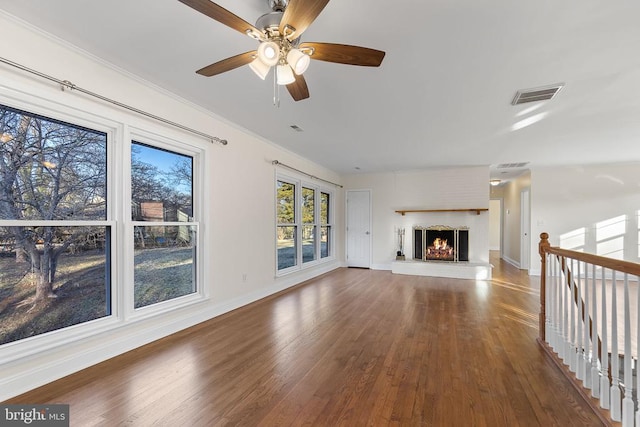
(277, 163)
(66, 84)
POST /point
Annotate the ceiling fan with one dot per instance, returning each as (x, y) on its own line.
(279, 35)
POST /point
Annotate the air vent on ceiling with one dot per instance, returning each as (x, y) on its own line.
(537, 94)
(512, 165)
(297, 128)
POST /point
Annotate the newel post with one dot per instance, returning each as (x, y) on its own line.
(544, 243)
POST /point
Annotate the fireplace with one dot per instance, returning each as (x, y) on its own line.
(441, 243)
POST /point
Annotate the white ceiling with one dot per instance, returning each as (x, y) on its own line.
(441, 97)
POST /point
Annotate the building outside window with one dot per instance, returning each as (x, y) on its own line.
(164, 228)
(62, 228)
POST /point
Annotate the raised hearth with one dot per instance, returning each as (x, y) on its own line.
(456, 270)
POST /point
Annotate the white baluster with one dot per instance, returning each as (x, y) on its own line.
(547, 302)
(627, 402)
(560, 284)
(572, 316)
(566, 348)
(585, 341)
(580, 373)
(638, 345)
(554, 302)
(605, 396)
(616, 395)
(595, 374)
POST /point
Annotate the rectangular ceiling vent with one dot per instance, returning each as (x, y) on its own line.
(512, 165)
(539, 94)
(296, 128)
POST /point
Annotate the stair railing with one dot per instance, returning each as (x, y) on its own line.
(586, 327)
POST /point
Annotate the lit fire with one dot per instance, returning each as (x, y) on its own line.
(440, 243)
(439, 250)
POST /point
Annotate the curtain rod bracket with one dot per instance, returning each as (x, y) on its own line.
(276, 163)
(66, 84)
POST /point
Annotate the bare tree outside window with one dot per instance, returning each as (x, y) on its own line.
(165, 234)
(53, 237)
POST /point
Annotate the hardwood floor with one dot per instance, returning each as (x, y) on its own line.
(353, 347)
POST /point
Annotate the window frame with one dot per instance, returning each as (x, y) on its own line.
(169, 144)
(313, 224)
(328, 225)
(299, 184)
(59, 337)
(119, 134)
(295, 224)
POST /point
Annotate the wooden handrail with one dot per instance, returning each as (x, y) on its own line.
(562, 254)
(610, 263)
(544, 247)
(572, 346)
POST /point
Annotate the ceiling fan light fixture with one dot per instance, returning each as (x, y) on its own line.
(285, 75)
(269, 53)
(260, 68)
(298, 61)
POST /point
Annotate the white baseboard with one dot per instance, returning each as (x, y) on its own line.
(42, 368)
(385, 266)
(511, 261)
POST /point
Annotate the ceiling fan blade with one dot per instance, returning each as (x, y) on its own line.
(298, 89)
(300, 14)
(227, 64)
(221, 15)
(345, 54)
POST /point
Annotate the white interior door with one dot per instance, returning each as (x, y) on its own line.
(359, 228)
(525, 230)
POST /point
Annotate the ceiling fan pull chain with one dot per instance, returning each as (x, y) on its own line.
(276, 88)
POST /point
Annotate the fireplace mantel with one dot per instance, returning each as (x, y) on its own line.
(476, 210)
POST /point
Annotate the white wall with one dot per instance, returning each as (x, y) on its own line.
(512, 216)
(495, 224)
(239, 222)
(452, 188)
(572, 204)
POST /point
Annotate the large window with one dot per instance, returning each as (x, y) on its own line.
(164, 231)
(55, 257)
(304, 230)
(308, 225)
(66, 233)
(287, 226)
(325, 224)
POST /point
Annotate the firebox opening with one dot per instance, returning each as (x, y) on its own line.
(441, 243)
